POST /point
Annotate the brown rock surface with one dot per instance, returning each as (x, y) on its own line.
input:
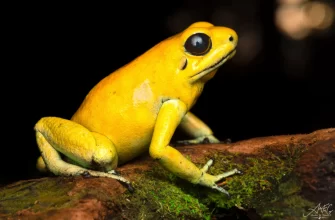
(307, 179)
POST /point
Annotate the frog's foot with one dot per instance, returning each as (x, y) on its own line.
(110, 174)
(128, 185)
(199, 140)
(114, 172)
(210, 180)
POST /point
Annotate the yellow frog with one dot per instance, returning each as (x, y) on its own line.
(137, 109)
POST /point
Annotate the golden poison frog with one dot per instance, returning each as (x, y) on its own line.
(137, 109)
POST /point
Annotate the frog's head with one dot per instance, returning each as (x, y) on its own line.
(204, 49)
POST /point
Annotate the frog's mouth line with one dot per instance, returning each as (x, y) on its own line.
(214, 66)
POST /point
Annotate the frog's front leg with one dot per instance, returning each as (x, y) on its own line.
(169, 116)
(89, 150)
(196, 129)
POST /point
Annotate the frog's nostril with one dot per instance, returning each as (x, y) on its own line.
(231, 38)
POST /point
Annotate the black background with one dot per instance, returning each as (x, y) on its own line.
(57, 53)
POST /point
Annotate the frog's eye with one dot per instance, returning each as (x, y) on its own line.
(198, 44)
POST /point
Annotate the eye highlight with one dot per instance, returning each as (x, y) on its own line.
(198, 44)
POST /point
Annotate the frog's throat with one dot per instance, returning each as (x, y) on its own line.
(209, 69)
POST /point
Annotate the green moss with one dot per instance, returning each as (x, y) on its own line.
(290, 186)
(259, 186)
(289, 202)
(32, 195)
(252, 189)
(294, 206)
(298, 202)
(158, 196)
(168, 196)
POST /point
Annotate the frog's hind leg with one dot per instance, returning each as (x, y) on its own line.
(42, 167)
(89, 150)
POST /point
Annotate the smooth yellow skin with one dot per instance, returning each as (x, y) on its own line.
(137, 109)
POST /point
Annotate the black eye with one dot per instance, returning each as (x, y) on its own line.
(198, 44)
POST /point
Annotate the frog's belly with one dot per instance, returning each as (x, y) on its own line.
(132, 139)
(130, 129)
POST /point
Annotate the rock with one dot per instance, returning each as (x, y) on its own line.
(283, 177)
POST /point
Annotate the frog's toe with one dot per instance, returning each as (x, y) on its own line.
(220, 189)
(207, 165)
(114, 172)
(220, 176)
(210, 139)
(227, 174)
(224, 175)
(130, 187)
(86, 174)
(200, 140)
